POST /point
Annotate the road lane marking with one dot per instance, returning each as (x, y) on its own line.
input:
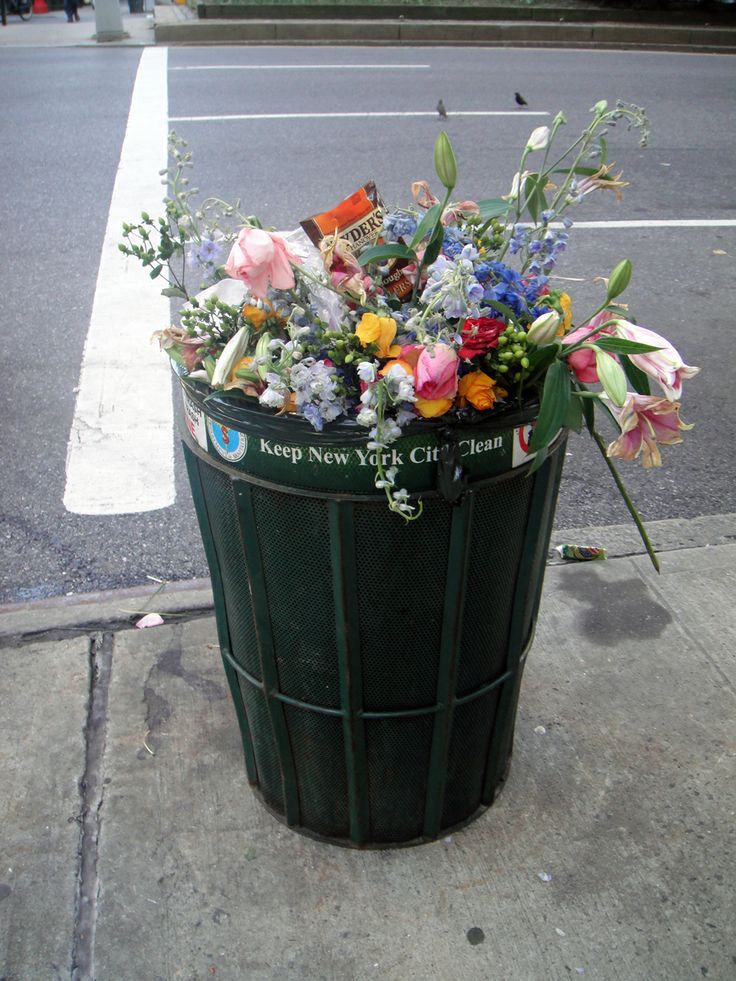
(120, 456)
(253, 68)
(347, 115)
(655, 223)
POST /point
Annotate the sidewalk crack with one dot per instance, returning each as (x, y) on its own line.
(91, 789)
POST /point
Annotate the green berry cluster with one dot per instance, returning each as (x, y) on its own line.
(490, 236)
(340, 347)
(511, 358)
(214, 321)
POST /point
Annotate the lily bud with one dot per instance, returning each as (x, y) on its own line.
(538, 139)
(619, 279)
(611, 376)
(444, 160)
(231, 354)
(544, 329)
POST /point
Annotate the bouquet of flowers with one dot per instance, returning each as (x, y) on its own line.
(444, 310)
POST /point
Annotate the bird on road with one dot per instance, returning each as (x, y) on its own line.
(441, 109)
(520, 100)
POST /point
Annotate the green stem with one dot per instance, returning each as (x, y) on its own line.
(627, 500)
(429, 237)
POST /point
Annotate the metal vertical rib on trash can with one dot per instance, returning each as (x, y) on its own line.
(375, 665)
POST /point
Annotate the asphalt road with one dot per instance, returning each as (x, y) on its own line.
(63, 119)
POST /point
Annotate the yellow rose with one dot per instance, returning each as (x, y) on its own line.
(480, 390)
(566, 310)
(380, 331)
(429, 408)
(254, 315)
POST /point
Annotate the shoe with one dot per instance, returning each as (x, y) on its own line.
(76, 17)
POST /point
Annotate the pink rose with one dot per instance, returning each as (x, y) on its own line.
(436, 373)
(665, 366)
(645, 421)
(259, 257)
(582, 362)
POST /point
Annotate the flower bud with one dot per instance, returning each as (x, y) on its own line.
(619, 279)
(544, 329)
(538, 139)
(600, 107)
(611, 376)
(444, 160)
(231, 355)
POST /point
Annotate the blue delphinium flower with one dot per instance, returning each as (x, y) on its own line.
(207, 252)
(315, 386)
(399, 224)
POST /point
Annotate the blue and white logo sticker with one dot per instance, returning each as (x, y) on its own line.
(229, 443)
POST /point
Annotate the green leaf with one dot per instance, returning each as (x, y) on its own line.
(499, 307)
(534, 200)
(588, 407)
(426, 225)
(574, 417)
(638, 380)
(543, 356)
(538, 460)
(434, 246)
(620, 345)
(493, 208)
(174, 291)
(378, 253)
(555, 403)
(156, 271)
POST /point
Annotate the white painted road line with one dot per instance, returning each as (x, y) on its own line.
(656, 223)
(294, 68)
(345, 115)
(120, 456)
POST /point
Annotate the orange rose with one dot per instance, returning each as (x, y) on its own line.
(429, 408)
(480, 390)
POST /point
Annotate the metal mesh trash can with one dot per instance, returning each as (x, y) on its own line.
(374, 665)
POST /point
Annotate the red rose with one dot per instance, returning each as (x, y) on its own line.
(479, 335)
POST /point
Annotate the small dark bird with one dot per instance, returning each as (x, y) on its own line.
(520, 100)
(441, 109)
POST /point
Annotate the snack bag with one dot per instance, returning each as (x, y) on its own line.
(359, 220)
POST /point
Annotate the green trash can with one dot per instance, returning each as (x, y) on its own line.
(374, 664)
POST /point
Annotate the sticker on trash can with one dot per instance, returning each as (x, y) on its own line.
(229, 443)
(522, 438)
(195, 420)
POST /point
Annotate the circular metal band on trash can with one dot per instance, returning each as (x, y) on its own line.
(374, 665)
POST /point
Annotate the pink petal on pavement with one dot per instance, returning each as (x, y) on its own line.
(150, 620)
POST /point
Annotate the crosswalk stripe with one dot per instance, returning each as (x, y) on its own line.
(120, 454)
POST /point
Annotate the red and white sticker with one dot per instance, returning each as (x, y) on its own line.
(195, 420)
(522, 437)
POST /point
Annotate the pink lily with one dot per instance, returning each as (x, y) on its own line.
(665, 366)
(646, 421)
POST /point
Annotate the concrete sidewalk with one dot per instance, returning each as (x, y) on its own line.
(133, 847)
(52, 30)
(174, 24)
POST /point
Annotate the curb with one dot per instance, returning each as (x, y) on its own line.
(65, 616)
(400, 31)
